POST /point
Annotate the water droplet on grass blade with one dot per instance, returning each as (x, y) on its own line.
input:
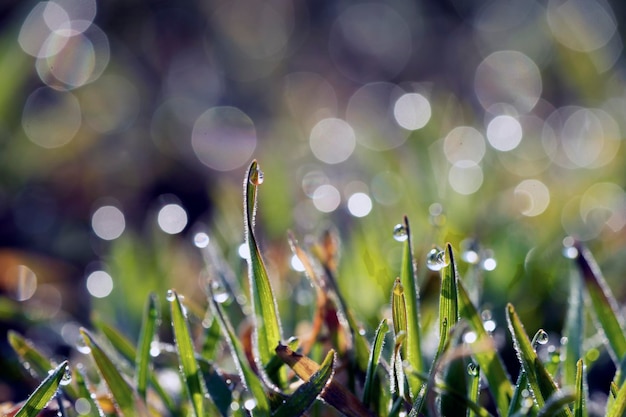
(170, 296)
(67, 377)
(436, 259)
(220, 293)
(82, 346)
(257, 176)
(399, 233)
(472, 369)
(542, 337)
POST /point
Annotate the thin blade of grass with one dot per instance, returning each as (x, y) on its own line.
(412, 350)
(128, 352)
(574, 331)
(539, 380)
(488, 359)
(372, 366)
(617, 407)
(186, 355)
(35, 360)
(474, 386)
(44, 393)
(399, 319)
(84, 392)
(305, 395)
(216, 386)
(146, 336)
(557, 403)
(604, 304)
(267, 332)
(120, 390)
(248, 377)
(448, 299)
(580, 405)
(517, 405)
(335, 394)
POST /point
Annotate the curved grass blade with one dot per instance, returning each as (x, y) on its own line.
(120, 390)
(186, 355)
(604, 304)
(412, 350)
(539, 380)
(580, 405)
(267, 332)
(448, 299)
(557, 403)
(216, 386)
(305, 395)
(488, 358)
(44, 393)
(249, 378)
(372, 365)
(146, 336)
(37, 362)
(335, 394)
(128, 352)
(84, 392)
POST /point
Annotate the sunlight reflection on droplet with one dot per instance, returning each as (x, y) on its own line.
(99, 284)
(223, 138)
(51, 118)
(359, 204)
(412, 111)
(326, 198)
(504, 133)
(465, 177)
(532, 197)
(172, 218)
(296, 264)
(508, 77)
(464, 143)
(108, 222)
(332, 141)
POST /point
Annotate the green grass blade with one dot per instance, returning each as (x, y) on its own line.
(267, 332)
(574, 331)
(44, 393)
(580, 405)
(539, 380)
(120, 390)
(216, 386)
(305, 395)
(37, 362)
(412, 349)
(486, 355)
(557, 404)
(86, 394)
(604, 304)
(374, 359)
(249, 378)
(617, 407)
(146, 336)
(474, 386)
(448, 298)
(186, 354)
(398, 308)
(128, 352)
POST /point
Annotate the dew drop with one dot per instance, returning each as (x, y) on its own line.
(569, 250)
(436, 259)
(470, 337)
(399, 233)
(257, 177)
(201, 240)
(249, 404)
(82, 346)
(170, 296)
(542, 337)
(67, 377)
(220, 293)
(489, 326)
(472, 369)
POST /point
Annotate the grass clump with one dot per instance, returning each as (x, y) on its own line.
(335, 369)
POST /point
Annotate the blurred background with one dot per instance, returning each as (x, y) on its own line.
(126, 128)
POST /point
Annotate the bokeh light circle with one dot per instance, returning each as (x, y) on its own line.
(504, 133)
(99, 284)
(172, 218)
(464, 143)
(108, 222)
(532, 197)
(332, 140)
(581, 25)
(223, 138)
(51, 118)
(508, 77)
(465, 177)
(412, 111)
(359, 204)
(326, 198)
